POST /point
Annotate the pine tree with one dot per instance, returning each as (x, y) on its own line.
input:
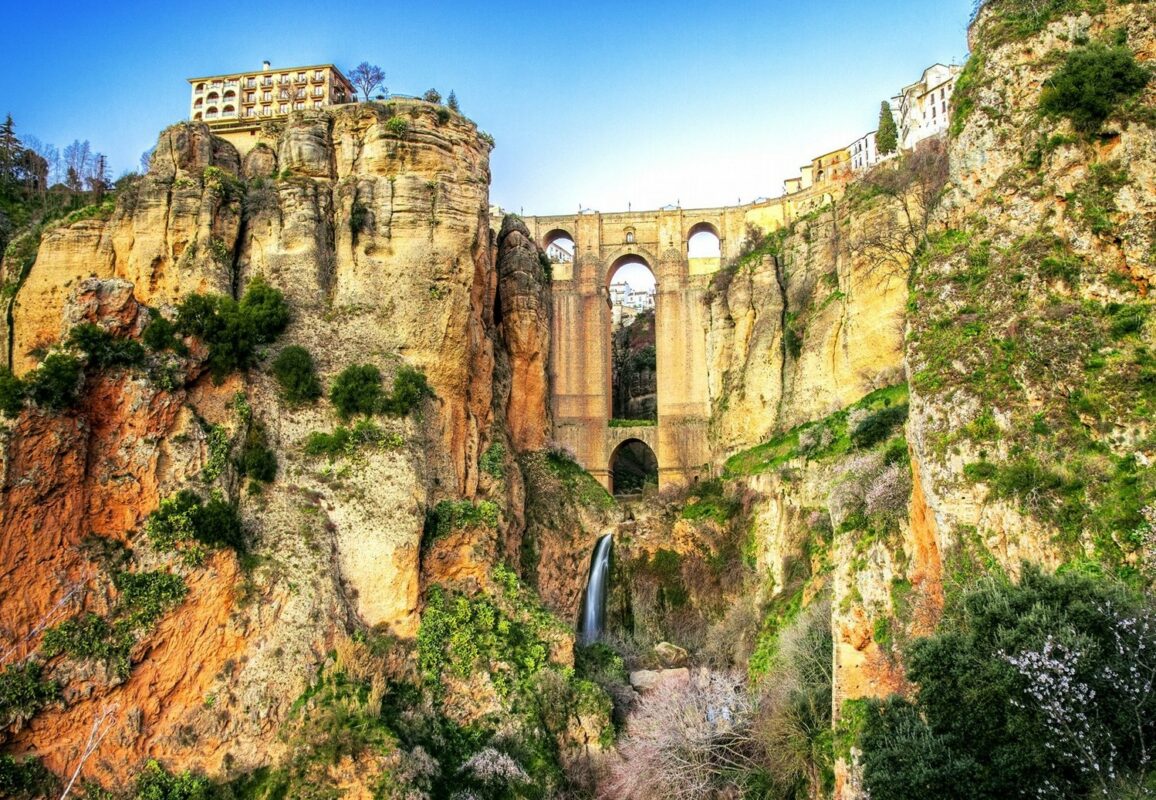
(452, 102)
(887, 137)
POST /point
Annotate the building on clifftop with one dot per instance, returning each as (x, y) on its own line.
(240, 102)
(923, 109)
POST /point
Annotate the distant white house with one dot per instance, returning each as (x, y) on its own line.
(923, 109)
(560, 251)
(864, 154)
(626, 303)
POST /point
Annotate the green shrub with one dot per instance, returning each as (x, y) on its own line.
(24, 691)
(451, 515)
(1027, 690)
(145, 597)
(155, 783)
(398, 126)
(12, 391)
(183, 521)
(1092, 83)
(24, 779)
(357, 390)
(88, 636)
(493, 461)
(409, 389)
(329, 444)
(160, 334)
(103, 349)
(56, 383)
(296, 375)
(233, 330)
(256, 460)
(878, 426)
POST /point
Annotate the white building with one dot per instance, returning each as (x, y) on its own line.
(626, 303)
(923, 109)
(864, 154)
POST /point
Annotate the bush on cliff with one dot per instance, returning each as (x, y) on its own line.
(11, 393)
(56, 383)
(293, 368)
(187, 524)
(1092, 83)
(103, 349)
(357, 390)
(233, 330)
(1038, 689)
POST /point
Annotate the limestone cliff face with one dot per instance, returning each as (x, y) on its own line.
(372, 221)
(804, 330)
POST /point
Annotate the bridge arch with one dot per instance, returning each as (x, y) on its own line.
(633, 465)
(703, 241)
(560, 246)
(624, 256)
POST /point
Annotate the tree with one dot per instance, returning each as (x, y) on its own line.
(1092, 83)
(367, 77)
(452, 102)
(432, 96)
(887, 137)
(77, 164)
(99, 178)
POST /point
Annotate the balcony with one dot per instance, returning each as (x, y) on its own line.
(319, 77)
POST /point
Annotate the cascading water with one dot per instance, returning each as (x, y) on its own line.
(594, 603)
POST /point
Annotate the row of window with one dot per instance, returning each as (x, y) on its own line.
(266, 111)
(251, 81)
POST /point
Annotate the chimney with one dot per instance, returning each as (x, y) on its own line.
(265, 66)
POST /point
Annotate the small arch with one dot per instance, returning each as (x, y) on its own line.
(197, 115)
(633, 467)
(199, 103)
(200, 87)
(212, 97)
(230, 94)
(559, 246)
(702, 241)
(228, 110)
(629, 236)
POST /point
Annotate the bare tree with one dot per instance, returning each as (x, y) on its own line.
(914, 185)
(367, 77)
(77, 163)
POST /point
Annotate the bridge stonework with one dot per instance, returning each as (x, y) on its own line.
(581, 335)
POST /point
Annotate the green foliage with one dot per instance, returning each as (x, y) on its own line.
(12, 393)
(577, 482)
(144, 598)
(878, 426)
(827, 438)
(156, 783)
(357, 390)
(345, 441)
(184, 523)
(160, 334)
(24, 691)
(409, 389)
(710, 501)
(1027, 689)
(234, 330)
(963, 97)
(256, 460)
(103, 349)
(398, 126)
(24, 779)
(451, 515)
(55, 384)
(1092, 83)
(666, 566)
(296, 375)
(493, 461)
(1016, 20)
(887, 135)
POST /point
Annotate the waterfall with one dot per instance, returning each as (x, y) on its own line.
(594, 602)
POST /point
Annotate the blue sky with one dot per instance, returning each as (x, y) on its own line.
(597, 104)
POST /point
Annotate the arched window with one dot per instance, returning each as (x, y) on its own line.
(559, 246)
(633, 344)
(630, 237)
(703, 242)
(633, 466)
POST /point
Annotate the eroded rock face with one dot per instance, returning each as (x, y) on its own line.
(524, 300)
(380, 242)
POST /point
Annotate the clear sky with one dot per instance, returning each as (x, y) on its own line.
(599, 104)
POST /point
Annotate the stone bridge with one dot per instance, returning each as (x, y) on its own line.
(581, 335)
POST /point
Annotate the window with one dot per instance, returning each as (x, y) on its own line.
(251, 83)
(250, 112)
(267, 96)
(250, 97)
(630, 237)
(300, 77)
(284, 108)
(317, 104)
(317, 74)
(267, 111)
(200, 87)
(300, 94)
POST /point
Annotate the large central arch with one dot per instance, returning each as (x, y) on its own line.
(582, 347)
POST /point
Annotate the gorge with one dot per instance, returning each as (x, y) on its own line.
(307, 467)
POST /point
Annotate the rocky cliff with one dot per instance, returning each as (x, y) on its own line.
(371, 222)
